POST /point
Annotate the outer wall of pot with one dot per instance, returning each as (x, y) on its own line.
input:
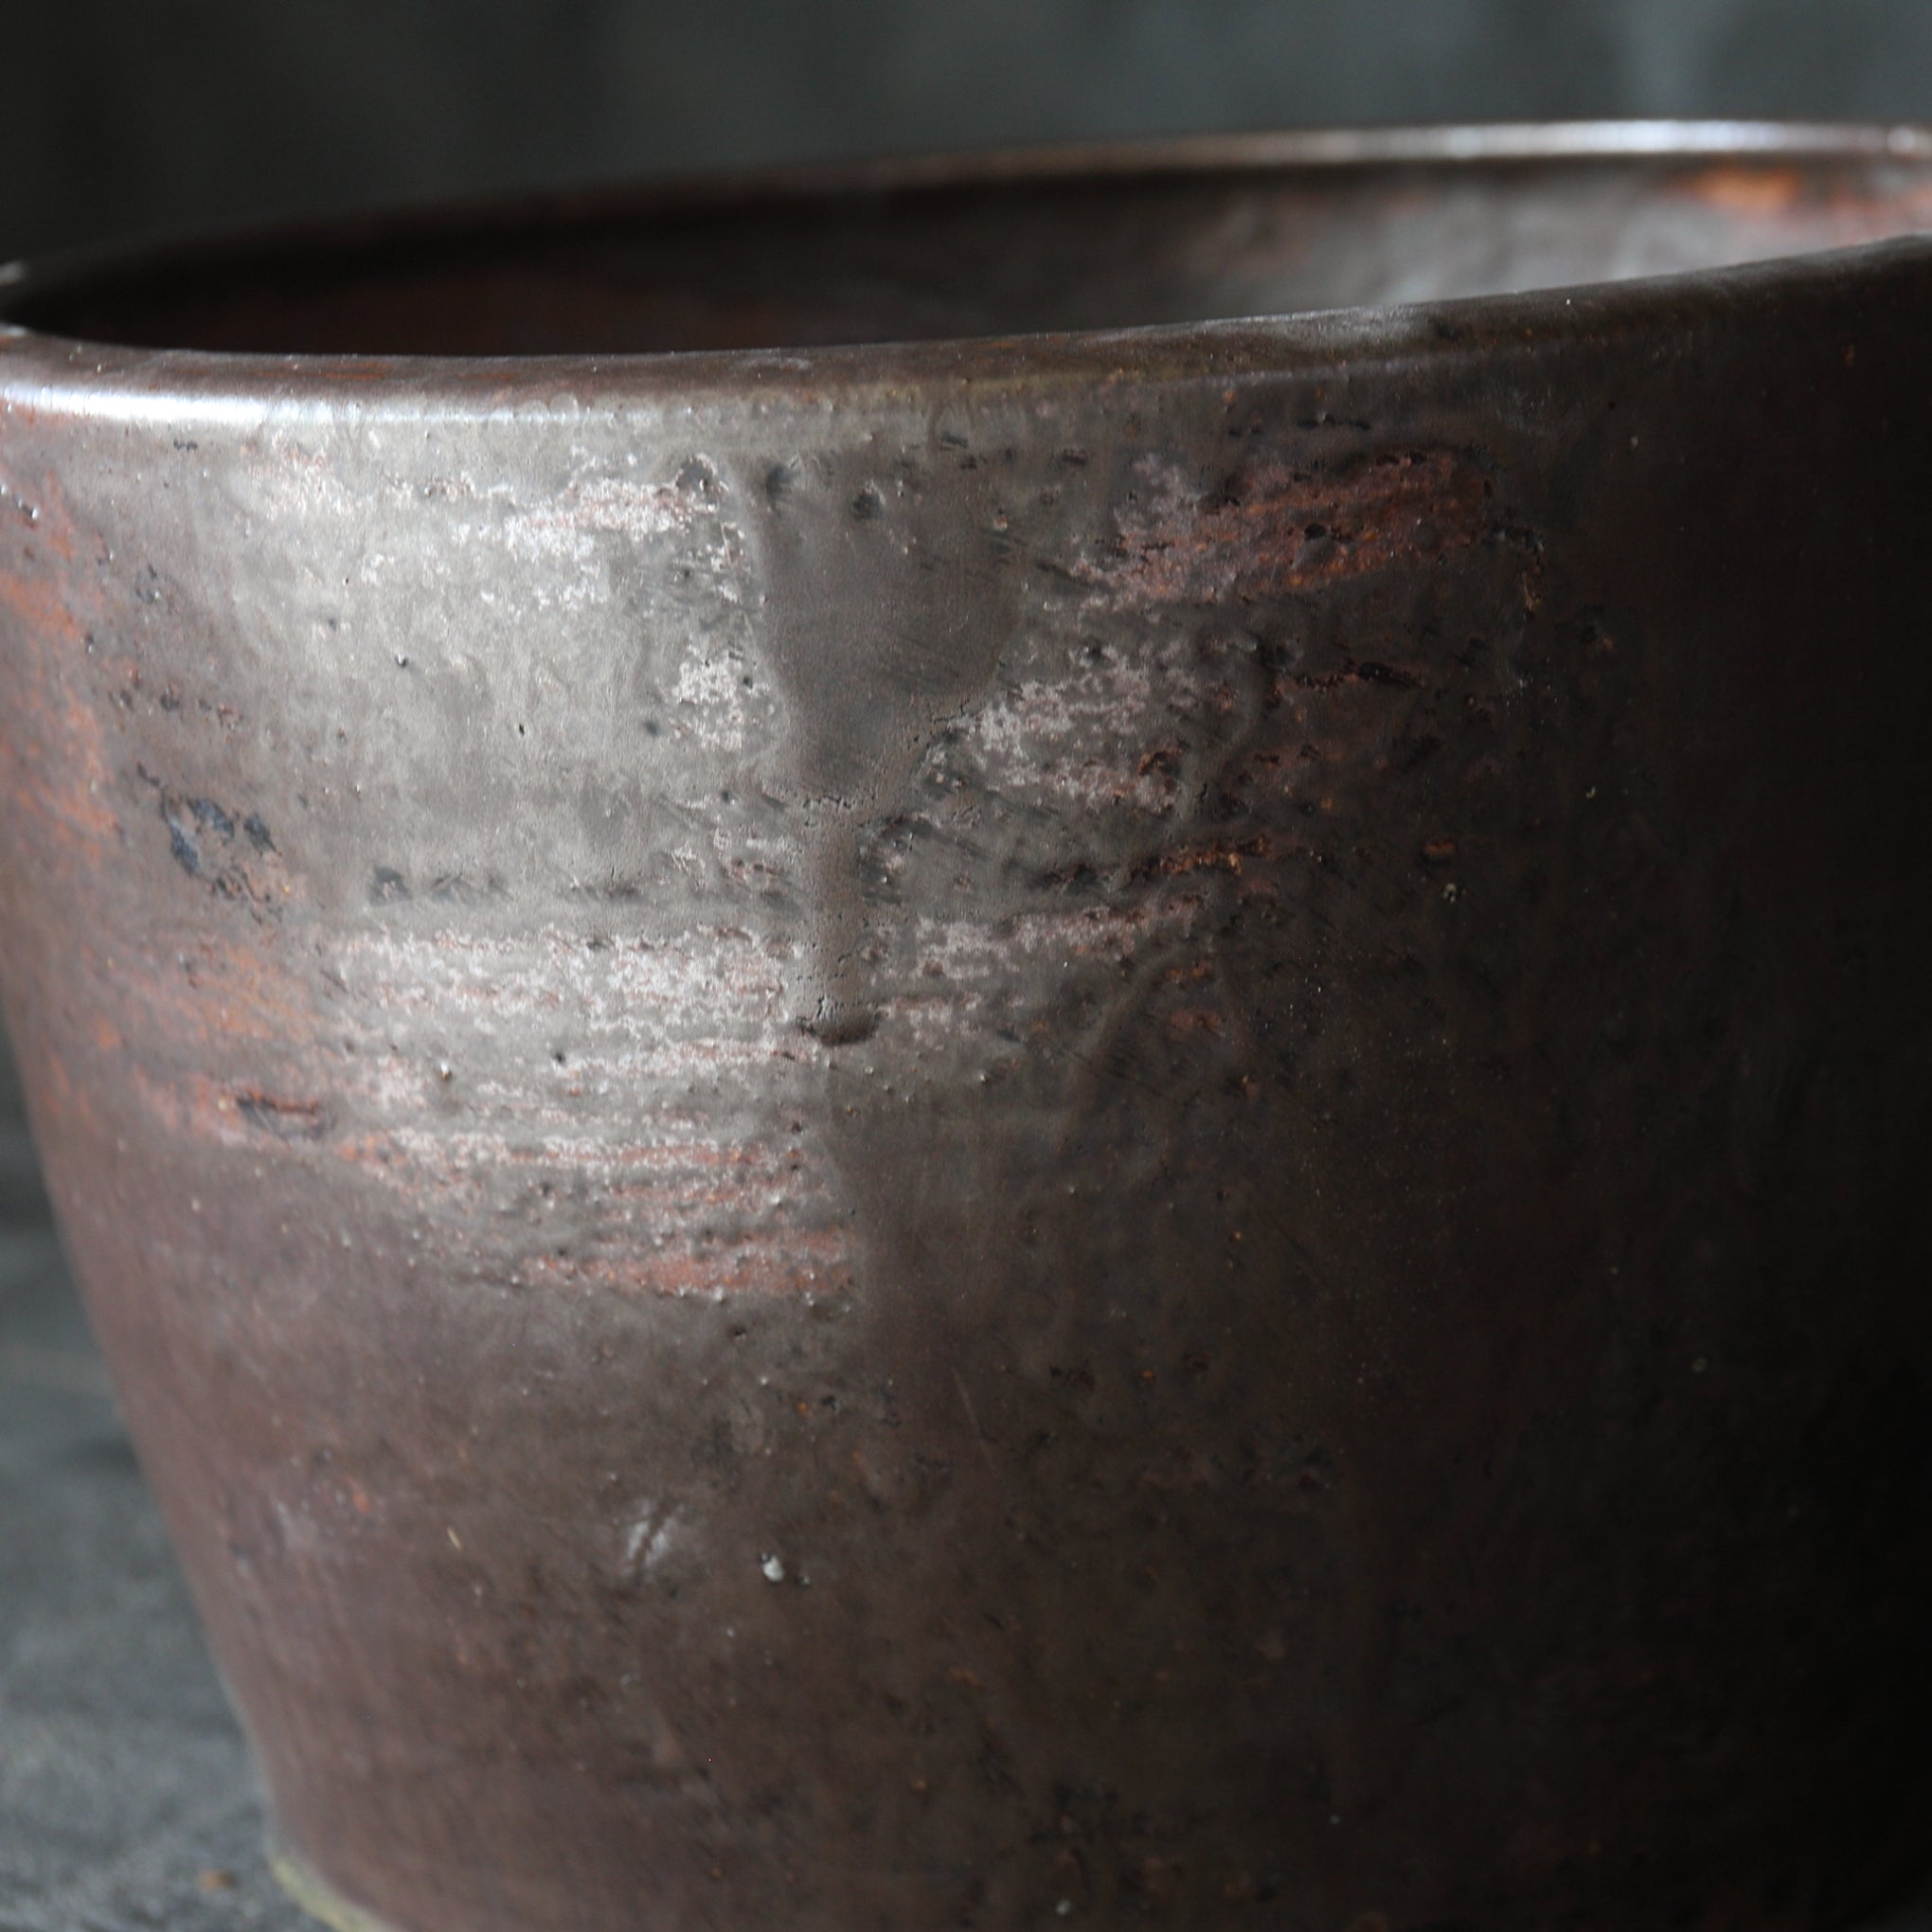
(936, 1146)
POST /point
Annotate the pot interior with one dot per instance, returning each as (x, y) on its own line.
(1152, 240)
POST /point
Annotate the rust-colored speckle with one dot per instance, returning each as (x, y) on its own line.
(285, 1117)
(781, 1264)
(61, 775)
(1185, 1020)
(1210, 856)
(1740, 189)
(223, 989)
(1276, 529)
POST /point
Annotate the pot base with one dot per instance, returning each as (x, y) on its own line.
(318, 1898)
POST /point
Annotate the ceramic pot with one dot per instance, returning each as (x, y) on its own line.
(906, 1091)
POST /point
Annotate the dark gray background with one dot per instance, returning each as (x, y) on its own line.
(123, 114)
(125, 1799)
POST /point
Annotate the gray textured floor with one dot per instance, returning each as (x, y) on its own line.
(126, 1798)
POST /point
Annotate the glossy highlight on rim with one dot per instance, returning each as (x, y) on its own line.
(103, 376)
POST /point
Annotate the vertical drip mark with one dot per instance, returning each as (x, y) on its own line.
(890, 588)
(841, 1013)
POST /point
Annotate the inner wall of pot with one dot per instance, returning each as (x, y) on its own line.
(990, 258)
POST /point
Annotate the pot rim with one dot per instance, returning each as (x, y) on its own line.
(48, 372)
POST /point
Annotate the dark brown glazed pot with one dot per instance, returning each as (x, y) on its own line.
(959, 1117)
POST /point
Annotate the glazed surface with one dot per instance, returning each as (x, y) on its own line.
(1003, 245)
(882, 1156)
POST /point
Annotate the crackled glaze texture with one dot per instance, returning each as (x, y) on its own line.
(1099, 1130)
